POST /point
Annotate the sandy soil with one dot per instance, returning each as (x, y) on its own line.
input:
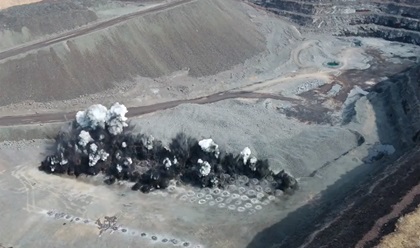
(9, 3)
(407, 233)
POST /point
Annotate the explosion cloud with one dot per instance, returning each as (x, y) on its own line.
(99, 141)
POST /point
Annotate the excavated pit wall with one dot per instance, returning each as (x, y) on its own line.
(396, 99)
(391, 20)
(206, 37)
(347, 210)
(397, 108)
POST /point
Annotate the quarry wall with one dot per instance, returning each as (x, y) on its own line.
(396, 99)
(397, 20)
(396, 102)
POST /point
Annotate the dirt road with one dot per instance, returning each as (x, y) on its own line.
(88, 29)
(141, 110)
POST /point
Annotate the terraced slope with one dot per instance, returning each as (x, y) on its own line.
(391, 20)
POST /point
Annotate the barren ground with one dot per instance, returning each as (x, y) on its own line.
(302, 117)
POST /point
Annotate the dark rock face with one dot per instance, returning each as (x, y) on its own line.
(398, 20)
(397, 100)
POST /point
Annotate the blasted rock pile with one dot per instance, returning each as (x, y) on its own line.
(100, 141)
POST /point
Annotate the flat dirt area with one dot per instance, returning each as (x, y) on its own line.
(217, 69)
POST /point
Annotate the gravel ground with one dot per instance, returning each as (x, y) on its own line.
(234, 124)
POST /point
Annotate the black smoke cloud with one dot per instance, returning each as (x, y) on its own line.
(148, 163)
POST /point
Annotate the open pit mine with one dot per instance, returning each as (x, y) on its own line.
(210, 123)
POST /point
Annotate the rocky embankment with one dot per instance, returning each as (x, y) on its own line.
(391, 20)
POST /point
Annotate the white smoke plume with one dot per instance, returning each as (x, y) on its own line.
(84, 138)
(97, 144)
(93, 117)
(149, 142)
(205, 167)
(253, 163)
(167, 162)
(115, 118)
(95, 155)
(208, 145)
(99, 116)
(128, 161)
(246, 152)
